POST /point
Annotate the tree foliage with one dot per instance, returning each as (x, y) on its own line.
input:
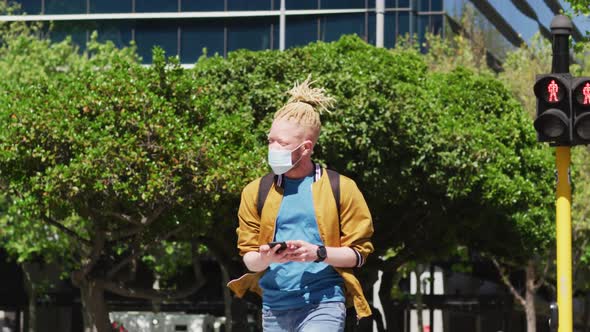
(442, 158)
(107, 161)
(580, 6)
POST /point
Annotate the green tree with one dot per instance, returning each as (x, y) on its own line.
(580, 7)
(443, 158)
(121, 160)
(108, 163)
(521, 66)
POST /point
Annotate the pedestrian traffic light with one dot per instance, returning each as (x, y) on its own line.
(553, 108)
(581, 110)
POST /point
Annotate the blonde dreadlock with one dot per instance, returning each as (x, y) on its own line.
(305, 105)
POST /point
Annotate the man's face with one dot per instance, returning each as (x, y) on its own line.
(287, 135)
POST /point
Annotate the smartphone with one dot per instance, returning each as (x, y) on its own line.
(282, 244)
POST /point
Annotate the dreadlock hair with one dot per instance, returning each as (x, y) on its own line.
(304, 107)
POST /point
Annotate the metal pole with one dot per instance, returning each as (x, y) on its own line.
(564, 239)
(561, 29)
(282, 26)
(380, 13)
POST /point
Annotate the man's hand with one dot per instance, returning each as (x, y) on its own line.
(301, 251)
(270, 255)
(257, 261)
(298, 251)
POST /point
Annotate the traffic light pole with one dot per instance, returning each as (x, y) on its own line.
(561, 28)
(564, 239)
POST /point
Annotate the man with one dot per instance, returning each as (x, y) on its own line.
(306, 282)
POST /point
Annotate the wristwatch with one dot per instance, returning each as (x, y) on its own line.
(321, 253)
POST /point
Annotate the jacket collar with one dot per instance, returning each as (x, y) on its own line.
(279, 179)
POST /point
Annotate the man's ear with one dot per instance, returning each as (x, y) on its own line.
(309, 145)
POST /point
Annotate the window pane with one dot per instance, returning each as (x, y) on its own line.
(32, 7)
(339, 4)
(403, 3)
(143, 6)
(65, 6)
(201, 5)
(110, 6)
(436, 24)
(301, 30)
(334, 26)
(403, 26)
(63, 29)
(300, 4)
(427, 24)
(119, 32)
(436, 5)
(248, 4)
(150, 33)
(424, 5)
(389, 37)
(372, 26)
(422, 30)
(197, 35)
(249, 33)
(276, 35)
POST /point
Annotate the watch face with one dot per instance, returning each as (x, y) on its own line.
(321, 253)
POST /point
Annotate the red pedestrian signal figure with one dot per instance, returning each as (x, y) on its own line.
(553, 88)
(581, 111)
(586, 93)
(554, 113)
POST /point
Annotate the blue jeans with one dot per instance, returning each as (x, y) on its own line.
(323, 317)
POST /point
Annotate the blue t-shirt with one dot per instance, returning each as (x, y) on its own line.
(296, 284)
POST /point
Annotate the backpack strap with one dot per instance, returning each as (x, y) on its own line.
(334, 178)
(267, 181)
(263, 189)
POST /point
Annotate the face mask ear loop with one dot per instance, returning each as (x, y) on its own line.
(298, 160)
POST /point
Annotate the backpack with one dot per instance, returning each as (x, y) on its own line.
(269, 178)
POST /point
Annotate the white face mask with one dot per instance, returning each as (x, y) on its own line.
(281, 161)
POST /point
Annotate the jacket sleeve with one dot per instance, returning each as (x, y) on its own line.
(355, 220)
(249, 221)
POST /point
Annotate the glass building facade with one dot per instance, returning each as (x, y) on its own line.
(187, 27)
(510, 23)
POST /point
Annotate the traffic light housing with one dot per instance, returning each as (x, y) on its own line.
(554, 112)
(581, 111)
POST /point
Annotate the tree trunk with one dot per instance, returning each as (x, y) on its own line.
(94, 308)
(531, 318)
(419, 307)
(235, 309)
(227, 299)
(31, 322)
(586, 312)
(31, 313)
(391, 320)
(419, 298)
(531, 287)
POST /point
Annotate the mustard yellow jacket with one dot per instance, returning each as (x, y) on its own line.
(353, 229)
